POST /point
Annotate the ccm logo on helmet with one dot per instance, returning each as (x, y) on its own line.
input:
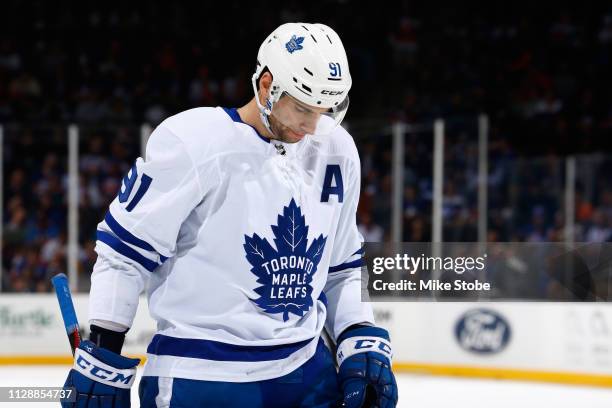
(102, 373)
(331, 93)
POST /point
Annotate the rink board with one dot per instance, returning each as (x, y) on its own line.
(557, 342)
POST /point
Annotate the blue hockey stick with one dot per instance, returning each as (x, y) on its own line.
(60, 282)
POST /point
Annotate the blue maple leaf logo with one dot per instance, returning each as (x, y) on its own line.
(285, 273)
(294, 44)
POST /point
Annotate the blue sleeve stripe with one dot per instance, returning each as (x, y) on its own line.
(162, 345)
(145, 182)
(123, 249)
(369, 331)
(358, 263)
(125, 235)
(359, 251)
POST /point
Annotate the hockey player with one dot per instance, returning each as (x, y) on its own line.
(240, 225)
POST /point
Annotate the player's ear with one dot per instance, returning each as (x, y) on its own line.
(265, 83)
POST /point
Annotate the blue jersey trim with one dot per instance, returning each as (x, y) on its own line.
(369, 331)
(145, 182)
(214, 350)
(323, 298)
(359, 251)
(118, 245)
(233, 113)
(348, 265)
(124, 234)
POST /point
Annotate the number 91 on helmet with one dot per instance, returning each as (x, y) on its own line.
(310, 80)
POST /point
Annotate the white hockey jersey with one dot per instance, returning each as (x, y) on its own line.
(246, 247)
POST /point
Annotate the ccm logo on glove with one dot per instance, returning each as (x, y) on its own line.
(362, 344)
(96, 370)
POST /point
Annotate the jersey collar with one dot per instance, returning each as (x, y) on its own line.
(289, 149)
(233, 113)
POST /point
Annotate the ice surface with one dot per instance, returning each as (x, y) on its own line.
(415, 391)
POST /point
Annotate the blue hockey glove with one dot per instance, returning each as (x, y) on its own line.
(102, 379)
(364, 356)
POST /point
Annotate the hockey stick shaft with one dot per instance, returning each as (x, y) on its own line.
(64, 298)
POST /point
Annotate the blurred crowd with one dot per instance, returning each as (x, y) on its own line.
(35, 196)
(541, 76)
(526, 195)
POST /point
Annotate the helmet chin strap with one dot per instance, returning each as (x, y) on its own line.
(264, 112)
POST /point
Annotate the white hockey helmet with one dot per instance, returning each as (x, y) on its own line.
(310, 72)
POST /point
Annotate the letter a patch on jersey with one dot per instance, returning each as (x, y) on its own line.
(285, 273)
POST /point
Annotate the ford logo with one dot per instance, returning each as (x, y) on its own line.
(482, 331)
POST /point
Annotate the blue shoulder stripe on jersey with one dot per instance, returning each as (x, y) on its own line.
(118, 245)
(348, 265)
(214, 350)
(233, 113)
(124, 234)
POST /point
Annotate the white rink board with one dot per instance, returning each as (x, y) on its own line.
(31, 325)
(563, 337)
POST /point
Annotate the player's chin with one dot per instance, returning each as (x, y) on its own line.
(293, 137)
